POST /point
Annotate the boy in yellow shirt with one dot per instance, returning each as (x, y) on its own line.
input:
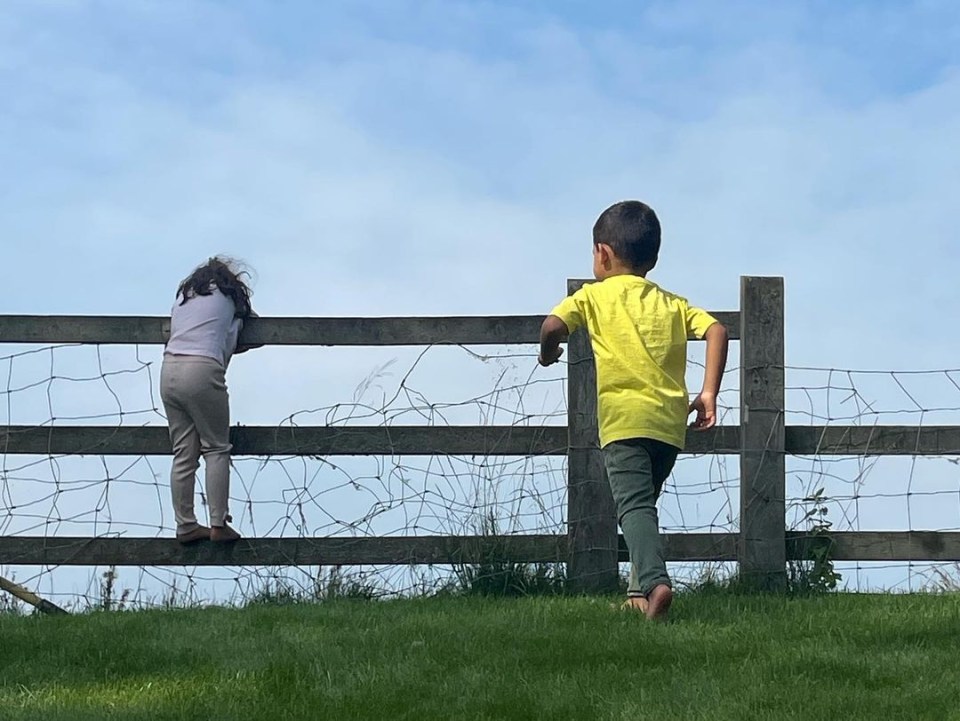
(639, 336)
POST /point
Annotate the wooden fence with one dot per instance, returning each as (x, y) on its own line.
(591, 548)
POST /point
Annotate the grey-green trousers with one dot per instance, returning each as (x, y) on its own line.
(637, 469)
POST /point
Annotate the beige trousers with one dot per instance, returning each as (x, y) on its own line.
(194, 394)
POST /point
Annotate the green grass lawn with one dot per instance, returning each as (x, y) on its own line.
(722, 657)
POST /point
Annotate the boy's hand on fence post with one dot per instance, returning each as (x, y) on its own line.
(552, 333)
(548, 358)
(705, 405)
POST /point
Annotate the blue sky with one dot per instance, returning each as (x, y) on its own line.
(433, 158)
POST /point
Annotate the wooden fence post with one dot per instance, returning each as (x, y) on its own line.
(591, 514)
(762, 546)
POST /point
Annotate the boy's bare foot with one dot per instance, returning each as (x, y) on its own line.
(635, 603)
(200, 533)
(223, 534)
(658, 602)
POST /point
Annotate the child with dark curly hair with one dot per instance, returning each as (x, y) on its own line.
(211, 306)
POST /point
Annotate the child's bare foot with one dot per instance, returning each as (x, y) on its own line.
(658, 602)
(635, 603)
(223, 534)
(200, 533)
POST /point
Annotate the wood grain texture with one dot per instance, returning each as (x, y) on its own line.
(81, 551)
(425, 440)
(591, 514)
(294, 441)
(391, 550)
(412, 331)
(873, 440)
(879, 545)
(762, 456)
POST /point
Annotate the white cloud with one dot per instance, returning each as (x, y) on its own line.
(418, 178)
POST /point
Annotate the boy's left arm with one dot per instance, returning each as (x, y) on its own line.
(705, 404)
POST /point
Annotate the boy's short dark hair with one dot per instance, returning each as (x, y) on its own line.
(632, 230)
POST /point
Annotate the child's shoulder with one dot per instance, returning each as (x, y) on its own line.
(671, 296)
(618, 285)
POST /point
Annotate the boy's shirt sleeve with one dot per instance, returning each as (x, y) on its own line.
(569, 311)
(698, 321)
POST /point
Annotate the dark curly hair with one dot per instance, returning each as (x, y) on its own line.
(227, 276)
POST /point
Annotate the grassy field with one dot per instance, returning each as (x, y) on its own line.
(722, 657)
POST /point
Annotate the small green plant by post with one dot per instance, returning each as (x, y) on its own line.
(109, 600)
(815, 573)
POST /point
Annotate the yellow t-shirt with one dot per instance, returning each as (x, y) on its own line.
(639, 336)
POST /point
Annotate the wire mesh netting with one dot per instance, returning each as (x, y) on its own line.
(412, 495)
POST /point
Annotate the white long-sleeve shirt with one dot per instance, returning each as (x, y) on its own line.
(206, 325)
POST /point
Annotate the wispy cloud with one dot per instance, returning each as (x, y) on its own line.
(444, 157)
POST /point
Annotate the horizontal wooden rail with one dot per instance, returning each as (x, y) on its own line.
(873, 440)
(844, 546)
(278, 551)
(408, 550)
(453, 330)
(326, 440)
(880, 545)
(460, 440)
(389, 550)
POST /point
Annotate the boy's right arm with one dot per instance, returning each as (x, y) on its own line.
(705, 404)
(553, 332)
(557, 327)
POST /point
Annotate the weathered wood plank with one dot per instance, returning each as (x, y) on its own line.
(324, 440)
(28, 596)
(299, 440)
(762, 457)
(84, 329)
(505, 440)
(690, 547)
(388, 550)
(453, 330)
(719, 440)
(873, 440)
(591, 514)
(880, 545)
(467, 330)
(391, 550)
